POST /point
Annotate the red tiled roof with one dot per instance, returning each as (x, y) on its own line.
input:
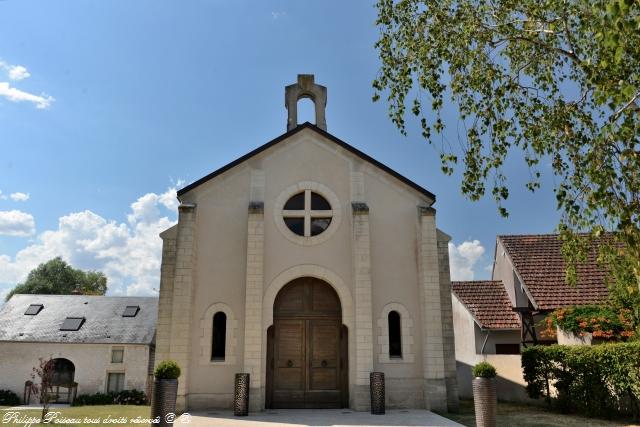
(488, 303)
(539, 262)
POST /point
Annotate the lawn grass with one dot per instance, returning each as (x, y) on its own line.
(81, 412)
(513, 414)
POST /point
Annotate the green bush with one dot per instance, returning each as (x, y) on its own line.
(9, 398)
(484, 370)
(597, 381)
(167, 370)
(125, 397)
(130, 397)
(602, 321)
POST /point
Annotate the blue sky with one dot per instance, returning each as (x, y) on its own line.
(105, 107)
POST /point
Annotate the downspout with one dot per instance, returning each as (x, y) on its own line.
(485, 341)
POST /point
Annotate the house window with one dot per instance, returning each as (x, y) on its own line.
(33, 309)
(395, 337)
(115, 382)
(507, 348)
(72, 324)
(307, 213)
(218, 341)
(117, 355)
(131, 311)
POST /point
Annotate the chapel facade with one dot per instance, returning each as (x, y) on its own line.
(308, 265)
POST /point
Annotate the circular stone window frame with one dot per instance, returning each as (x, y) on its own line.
(322, 190)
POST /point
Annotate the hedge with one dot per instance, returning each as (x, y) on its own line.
(125, 397)
(597, 381)
(9, 398)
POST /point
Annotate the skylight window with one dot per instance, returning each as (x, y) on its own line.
(33, 309)
(131, 311)
(72, 324)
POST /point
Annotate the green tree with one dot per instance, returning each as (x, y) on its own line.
(59, 278)
(553, 81)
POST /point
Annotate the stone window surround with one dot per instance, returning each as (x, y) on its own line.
(206, 331)
(115, 371)
(406, 332)
(113, 348)
(322, 190)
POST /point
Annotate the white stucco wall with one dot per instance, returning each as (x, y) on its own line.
(92, 363)
(469, 339)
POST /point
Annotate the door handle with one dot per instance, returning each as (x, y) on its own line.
(323, 364)
(289, 363)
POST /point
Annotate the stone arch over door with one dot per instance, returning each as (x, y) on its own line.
(307, 355)
(308, 270)
(346, 301)
(63, 384)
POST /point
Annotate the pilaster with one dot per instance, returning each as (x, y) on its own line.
(183, 292)
(435, 390)
(363, 303)
(447, 323)
(253, 334)
(165, 306)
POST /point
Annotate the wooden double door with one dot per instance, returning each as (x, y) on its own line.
(307, 348)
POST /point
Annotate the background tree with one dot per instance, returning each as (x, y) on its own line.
(59, 278)
(544, 80)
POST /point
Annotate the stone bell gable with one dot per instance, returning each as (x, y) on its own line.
(260, 247)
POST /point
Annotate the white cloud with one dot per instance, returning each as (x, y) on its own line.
(129, 253)
(276, 15)
(41, 101)
(463, 258)
(19, 197)
(15, 72)
(2, 196)
(16, 223)
(18, 72)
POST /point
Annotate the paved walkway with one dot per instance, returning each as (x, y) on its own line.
(320, 417)
(38, 406)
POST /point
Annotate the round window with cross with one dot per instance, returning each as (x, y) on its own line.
(307, 213)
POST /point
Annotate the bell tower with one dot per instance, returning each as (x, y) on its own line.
(305, 88)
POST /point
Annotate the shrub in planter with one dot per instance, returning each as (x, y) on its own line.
(9, 398)
(167, 370)
(165, 391)
(484, 370)
(484, 394)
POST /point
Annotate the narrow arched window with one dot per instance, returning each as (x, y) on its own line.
(395, 338)
(218, 341)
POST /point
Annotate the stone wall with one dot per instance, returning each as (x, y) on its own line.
(92, 363)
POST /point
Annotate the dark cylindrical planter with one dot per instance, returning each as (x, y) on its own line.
(376, 384)
(485, 401)
(241, 396)
(163, 401)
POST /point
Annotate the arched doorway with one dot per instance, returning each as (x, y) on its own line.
(63, 387)
(63, 372)
(307, 348)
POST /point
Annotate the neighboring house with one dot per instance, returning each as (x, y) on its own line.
(494, 319)
(104, 344)
(308, 265)
(532, 269)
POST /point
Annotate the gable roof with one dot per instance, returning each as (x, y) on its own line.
(539, 263)
(103, 319)
(488, 303)
(327, 135)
